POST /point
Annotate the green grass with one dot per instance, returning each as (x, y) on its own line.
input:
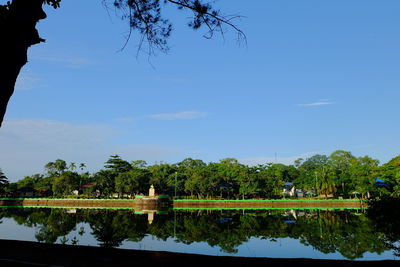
(285, 208)
(183, 200)
(73, 199)
(265, 200)
(63, 207)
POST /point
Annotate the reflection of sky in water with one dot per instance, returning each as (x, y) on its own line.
(9, 229)
(255, 247)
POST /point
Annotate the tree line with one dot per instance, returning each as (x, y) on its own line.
(340, 174)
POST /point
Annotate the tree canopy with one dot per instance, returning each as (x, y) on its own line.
(340, 174)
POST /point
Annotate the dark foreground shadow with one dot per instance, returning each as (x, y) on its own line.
(22, 253)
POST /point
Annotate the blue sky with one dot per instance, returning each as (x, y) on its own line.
(315, 76)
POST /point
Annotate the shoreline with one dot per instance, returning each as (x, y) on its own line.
(27, 253)
(156, 203)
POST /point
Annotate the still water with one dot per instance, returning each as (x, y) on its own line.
(319, 234)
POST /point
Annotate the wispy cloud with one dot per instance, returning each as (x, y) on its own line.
(66, 58)
(73, 62)
(284, 160)
(184, 115)
(321, 102)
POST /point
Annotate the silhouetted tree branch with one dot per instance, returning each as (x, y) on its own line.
(18, 19)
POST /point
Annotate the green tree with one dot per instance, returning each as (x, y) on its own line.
(65, 183)
(117, 165)
(82, 166)
(44, 185)
(308, 171)
(160, 176)
(325, 180)
(184, 171)
(27, 182)
(229, 171)
(56, 168)
(364, 170)
(341, 161)
(105, 181)
(390, 173)
(247, 181)
(201, 182)
(132, 182)
(271, 179)
(3, 181)
(141, 164)
(72, 166)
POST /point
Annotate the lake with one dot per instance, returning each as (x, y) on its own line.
(277, 233)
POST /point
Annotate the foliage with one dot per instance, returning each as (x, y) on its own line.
(347, 232)
(65, 183)
(341, 175)
(3, 181)
(117, 165)
(132, 182)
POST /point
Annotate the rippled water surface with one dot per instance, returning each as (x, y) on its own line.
(333, 234)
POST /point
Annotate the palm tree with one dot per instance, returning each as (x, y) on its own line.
(325, 185)
(3, 180)
(72, 166)
(82, 166)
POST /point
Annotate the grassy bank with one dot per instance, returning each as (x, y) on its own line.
(183, 203)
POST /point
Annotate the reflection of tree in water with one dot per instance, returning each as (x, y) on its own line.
(52, 223)
(327, 231)
(58, 223)
(103, 225)
(350, 235)
(111, 228)
(385, 216)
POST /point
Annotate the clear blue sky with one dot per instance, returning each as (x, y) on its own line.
(315, 76)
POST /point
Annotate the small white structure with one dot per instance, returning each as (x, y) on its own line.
(150, 217)
(152, 191)
(289, 190)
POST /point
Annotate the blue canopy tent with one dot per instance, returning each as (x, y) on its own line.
(380, 182)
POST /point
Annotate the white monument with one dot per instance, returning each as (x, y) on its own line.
(152, 191)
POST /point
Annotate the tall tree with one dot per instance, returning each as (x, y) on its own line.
(308, 178)
(66, 183)
(3, 181)
(390, 173)
(160, 176)
(134, 181)
(271, 178)
(341, 162)
(364, 170)
(56, 168)
(117, 165)
(105, 181)
(18, 19)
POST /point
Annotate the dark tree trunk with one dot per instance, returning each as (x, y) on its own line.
(17, 33)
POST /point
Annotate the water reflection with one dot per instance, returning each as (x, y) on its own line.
(349, 232)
